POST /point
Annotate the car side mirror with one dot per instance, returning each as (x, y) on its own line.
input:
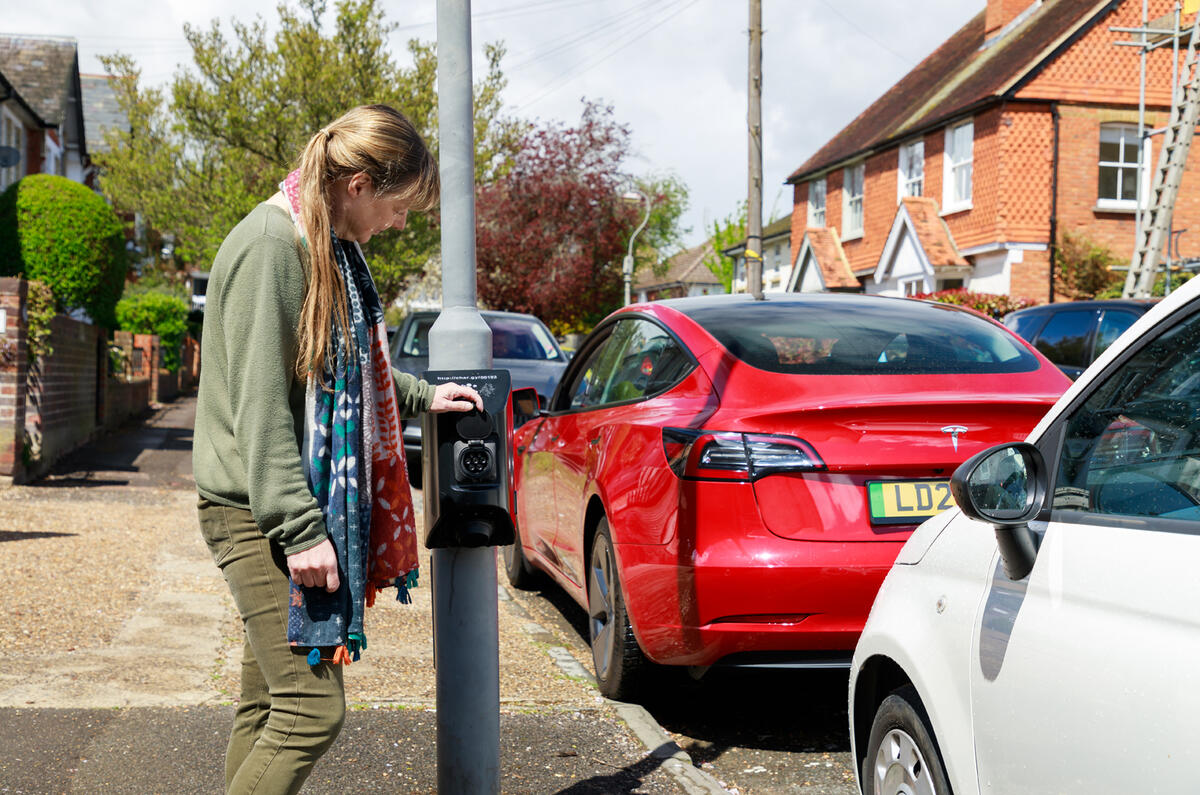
(526, 406)
(1005, 486)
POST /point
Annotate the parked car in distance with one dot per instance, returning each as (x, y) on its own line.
(724, 481)
(1040, 639)
(1072, 334)
(521, 344)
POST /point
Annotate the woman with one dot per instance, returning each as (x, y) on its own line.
(304, 500)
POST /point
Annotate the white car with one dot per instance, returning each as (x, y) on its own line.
(1045, 636)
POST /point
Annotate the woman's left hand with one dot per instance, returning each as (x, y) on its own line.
(455, 397)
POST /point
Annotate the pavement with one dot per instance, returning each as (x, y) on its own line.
(119, 653)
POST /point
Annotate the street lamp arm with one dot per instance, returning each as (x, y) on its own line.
(627, 265)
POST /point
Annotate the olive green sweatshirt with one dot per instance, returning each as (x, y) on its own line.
(250, 406)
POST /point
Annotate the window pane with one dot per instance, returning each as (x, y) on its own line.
(1133, 448)
(1110, 152)
(1129, 184)
(1064, 340)
(1112, 324)
(1109, 188)
(649, 363)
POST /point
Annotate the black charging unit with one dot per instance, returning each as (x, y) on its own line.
(466, 459)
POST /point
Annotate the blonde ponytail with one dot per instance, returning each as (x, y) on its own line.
(382, 143)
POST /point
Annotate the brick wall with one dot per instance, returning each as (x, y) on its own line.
(12, 379)
(62, 391)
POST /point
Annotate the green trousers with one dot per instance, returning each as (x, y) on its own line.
(290, 712)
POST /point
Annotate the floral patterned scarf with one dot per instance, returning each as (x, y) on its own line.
(354, 462)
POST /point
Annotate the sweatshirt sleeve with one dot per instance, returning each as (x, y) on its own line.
(414, 395)
(261, 309)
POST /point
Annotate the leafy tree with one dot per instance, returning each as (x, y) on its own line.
(553, 230)
(62, 234)
(157, 313)
(233, 127)
(663, 235)
(729, 231)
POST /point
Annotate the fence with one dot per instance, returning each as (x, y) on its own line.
(79, 391)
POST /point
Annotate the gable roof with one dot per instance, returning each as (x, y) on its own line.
(101, 111)
(918, 216)
(44, 70)
(686, 267)
(826, 251)
(959, 77)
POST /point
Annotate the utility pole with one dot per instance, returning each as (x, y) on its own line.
(754, 259)
(466, 630)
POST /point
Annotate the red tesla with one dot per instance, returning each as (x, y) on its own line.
(724, 481)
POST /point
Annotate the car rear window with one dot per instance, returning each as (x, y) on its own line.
(855, 337)
(512, 338)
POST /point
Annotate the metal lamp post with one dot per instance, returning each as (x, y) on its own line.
(633, 194)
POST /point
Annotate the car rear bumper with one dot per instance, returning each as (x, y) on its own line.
(757, 598)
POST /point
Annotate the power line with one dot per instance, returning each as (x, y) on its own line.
(859, 29)
(678, 7)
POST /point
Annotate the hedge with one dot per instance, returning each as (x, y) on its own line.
(64, 235)
(157, 313)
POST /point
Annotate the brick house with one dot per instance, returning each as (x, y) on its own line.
(1021, 127)
(41, 109)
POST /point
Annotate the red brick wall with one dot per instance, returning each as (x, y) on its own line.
(1095, 69)
(12, 379)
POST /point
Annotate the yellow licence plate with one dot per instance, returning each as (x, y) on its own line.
(908, 501)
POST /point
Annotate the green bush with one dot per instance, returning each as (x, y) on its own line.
(1084, 268)
(992, 304)
(63, 234)
(1178, 278)
(157, 313)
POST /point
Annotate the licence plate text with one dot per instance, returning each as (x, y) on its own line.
(908, 501)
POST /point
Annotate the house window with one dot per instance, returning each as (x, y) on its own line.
(816, 202)
(956, 193)
(1120, 151)
(912, 287)
(852, 201)
(12, 134)
(910, 178)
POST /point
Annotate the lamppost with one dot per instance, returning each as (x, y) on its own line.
(633, 194)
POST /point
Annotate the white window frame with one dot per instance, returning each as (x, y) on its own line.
(816, 202)
(957, 173)
(910, 171)
(1128, 137)
(914, 285)
(853, 178)
(12, 133)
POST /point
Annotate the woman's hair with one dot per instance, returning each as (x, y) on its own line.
(382, 143)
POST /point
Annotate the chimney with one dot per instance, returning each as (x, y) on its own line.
(1002, 12)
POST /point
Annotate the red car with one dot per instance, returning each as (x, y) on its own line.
(724, 481)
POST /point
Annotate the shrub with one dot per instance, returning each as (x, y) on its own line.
(1084, 268)
(61, 233)
(991, 304)
(1158, 290)
(157, 313)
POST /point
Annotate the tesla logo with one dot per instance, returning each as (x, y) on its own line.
(954, 431)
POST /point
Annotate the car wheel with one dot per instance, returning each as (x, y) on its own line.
(902, 754)
(520, 572)
(617, 658)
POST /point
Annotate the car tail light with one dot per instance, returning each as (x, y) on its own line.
(727, 455)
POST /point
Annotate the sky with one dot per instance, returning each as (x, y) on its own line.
(674, 71)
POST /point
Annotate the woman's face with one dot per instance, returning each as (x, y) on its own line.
(358, 214)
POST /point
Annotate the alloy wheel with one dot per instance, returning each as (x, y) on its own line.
(600, 606)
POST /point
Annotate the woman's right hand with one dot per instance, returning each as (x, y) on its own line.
(315, 567)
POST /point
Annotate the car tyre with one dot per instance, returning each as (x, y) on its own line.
(616, 656)
(902, 753)
(520, 572)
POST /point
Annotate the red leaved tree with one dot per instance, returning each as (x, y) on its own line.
(552, 231)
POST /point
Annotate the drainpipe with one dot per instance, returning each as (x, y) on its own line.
(1053, 198)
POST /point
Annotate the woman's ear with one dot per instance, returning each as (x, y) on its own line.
(358, 184)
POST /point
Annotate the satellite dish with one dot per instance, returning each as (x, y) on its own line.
(9, 156)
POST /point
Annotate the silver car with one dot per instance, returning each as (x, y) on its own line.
(1044, 637)
(521, 344)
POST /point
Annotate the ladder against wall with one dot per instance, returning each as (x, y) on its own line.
(1154, 226)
